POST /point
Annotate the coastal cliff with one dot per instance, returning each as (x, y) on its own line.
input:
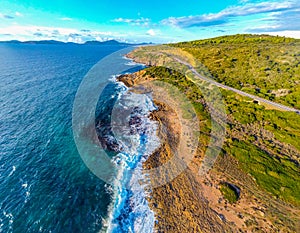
(226, 199)
(179, 205)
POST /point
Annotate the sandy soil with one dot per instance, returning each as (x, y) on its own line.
(194, 203)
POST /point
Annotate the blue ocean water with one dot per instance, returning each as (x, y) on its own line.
(44, 184)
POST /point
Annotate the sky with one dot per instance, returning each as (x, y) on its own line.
(157, 21)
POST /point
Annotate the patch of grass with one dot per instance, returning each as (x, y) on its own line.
(275, 174)
(278, 176)
(258, 64)
(229, 193)
(284, 125)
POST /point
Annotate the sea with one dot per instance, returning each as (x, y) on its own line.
(46, 183)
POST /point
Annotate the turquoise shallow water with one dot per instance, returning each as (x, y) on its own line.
(44, 184)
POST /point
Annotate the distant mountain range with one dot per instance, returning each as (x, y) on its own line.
(108, 42)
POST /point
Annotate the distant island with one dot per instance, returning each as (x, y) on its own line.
(55, 42)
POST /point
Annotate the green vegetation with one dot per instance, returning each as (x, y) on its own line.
(266, 66)
(259, 155)
(229, 193)
(278, 176)
(185, 85)
(284, 125)
(175, 78)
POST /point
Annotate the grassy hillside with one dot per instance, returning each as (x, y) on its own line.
(265, 142)
(266, 66)
(261, 154)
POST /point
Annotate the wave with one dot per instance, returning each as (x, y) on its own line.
(129, 210)
(131, 62)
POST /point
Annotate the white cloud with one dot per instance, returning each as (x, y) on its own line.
(55, 33)
(151, 32)
(18, 14)
(78, 40)
(229, 13)
(139, 22)
(66, 19)
(293, 34)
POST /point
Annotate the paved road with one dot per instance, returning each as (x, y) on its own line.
(259, 99)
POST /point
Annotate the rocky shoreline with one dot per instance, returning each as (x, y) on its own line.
(202, 203)
(193, 203)
(179, 205)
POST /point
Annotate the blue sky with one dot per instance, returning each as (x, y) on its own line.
(145, 21)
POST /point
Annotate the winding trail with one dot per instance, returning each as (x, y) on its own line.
(259, 99)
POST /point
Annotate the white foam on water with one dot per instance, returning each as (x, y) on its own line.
(129, 210)
(10, 218)
(131, 63)
(27, 191)
(13, 170)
